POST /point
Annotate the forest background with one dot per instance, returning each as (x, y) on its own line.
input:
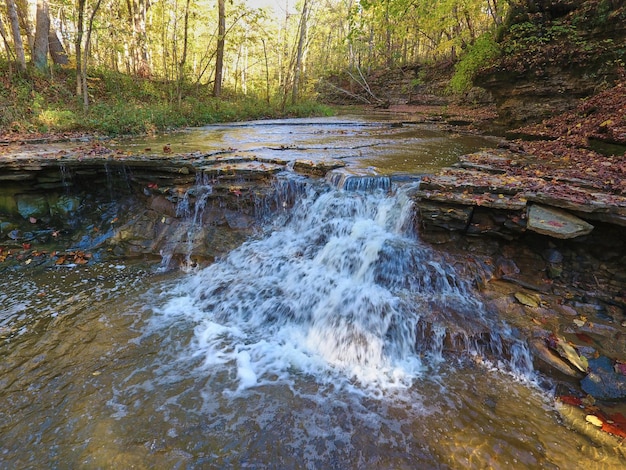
(132, 66)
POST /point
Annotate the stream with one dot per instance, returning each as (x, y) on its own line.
(332, 338)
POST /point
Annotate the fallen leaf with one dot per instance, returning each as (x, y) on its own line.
(584, 337)
(571, 400)
(530, 300)
(612, 429)
(593, 419)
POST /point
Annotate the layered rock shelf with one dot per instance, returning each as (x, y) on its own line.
(170, 205)
(505, 193)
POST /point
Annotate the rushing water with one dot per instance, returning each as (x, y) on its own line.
(334, 339)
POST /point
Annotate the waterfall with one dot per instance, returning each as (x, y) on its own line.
(190, 213)
(341, 284)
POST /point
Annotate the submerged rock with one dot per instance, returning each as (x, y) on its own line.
(603, 382)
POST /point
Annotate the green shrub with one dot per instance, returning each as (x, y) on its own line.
(478, 55)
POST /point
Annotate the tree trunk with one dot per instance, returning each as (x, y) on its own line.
(78, 44)
(183, 59)
(5, 40)
(297, 72)
(219, 57)
(86, 55)
(17, 37)
(42, 31)
(137, 13)
(267, 73)
(23, 13)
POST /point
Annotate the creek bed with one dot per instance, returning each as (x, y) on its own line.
(333, 338)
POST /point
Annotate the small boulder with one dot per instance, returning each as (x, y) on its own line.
(603, 382)
(556, 223)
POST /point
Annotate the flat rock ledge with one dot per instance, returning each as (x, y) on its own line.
(503, 193)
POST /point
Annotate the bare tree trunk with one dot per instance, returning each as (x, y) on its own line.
(42, 31)
(78, 44)
(24, 15)
(183, 59)
(138, 11)
(17, 37)
(5, 40)
(219, 57)
(141, 12)
(86, 55)
(267, 73)
(297, 72)
(495, 11)
(83, 53)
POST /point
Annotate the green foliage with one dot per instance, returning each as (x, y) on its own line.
(478, 55)
(528, 37)
(124, 105)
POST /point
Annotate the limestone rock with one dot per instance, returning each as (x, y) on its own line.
(556, 223)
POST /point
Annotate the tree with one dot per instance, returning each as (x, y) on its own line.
(82, 50)
(300, 52)
(138, 11)
(183, 59)
(219, 56)
(17, 37)
(42, 32)
(5, 40)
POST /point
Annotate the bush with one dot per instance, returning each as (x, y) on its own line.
(478, 56)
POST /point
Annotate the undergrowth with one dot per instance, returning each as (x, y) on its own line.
(478, 56)
(120, 104)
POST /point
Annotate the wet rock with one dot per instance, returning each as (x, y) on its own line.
(238, 220)
(550, 362)
(8, 205)
(447, 216)
(528, 299)
(161, 205)
(32, 205)
(318, 168)
(603, 383)
(556, 223)
(506, 267)
(65, 205)
(552, 255)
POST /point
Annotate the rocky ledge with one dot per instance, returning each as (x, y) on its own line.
(506, 193)
(98, 202)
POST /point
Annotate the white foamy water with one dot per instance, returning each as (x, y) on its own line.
(340, 288)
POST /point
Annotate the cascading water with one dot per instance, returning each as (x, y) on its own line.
(341, 286)
(191, 215)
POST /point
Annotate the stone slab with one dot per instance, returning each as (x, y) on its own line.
(556, 222)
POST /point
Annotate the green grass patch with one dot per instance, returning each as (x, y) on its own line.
(121, 105)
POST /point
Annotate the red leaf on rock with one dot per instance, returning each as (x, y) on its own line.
(612, 429)
(584, 337)
(571, 400)
(618, 419)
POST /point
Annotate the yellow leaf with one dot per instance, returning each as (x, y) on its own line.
(593, 419)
